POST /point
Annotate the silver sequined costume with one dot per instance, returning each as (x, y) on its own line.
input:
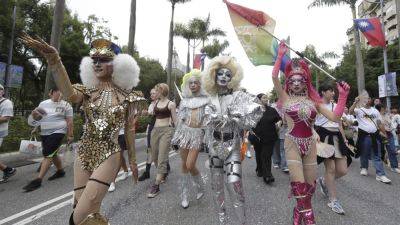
(227, 118)
(190, 130)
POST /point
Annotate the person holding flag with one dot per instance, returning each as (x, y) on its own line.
(300, 104)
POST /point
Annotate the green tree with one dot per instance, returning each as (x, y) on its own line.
(187, 32)
(205, 31)
(359, 60)
(215, 48)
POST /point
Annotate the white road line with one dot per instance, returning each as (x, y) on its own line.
(56, 207)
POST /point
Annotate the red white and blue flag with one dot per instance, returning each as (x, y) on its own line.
(372, 30)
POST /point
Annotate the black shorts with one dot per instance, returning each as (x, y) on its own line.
(51, 143)
(122, 142)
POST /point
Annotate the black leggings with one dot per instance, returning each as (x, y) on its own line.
(263, 158)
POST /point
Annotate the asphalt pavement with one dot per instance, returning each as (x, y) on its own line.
(366, 201)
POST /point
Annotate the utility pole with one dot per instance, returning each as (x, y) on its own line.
(56, 29)
(385, 62)
(10, 54)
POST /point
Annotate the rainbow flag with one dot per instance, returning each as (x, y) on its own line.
(258, 45)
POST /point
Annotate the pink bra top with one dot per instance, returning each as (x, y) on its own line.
(303, 113)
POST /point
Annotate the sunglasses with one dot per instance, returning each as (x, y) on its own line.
(101, 60)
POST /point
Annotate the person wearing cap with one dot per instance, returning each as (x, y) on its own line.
(6, 113)
(109, 104)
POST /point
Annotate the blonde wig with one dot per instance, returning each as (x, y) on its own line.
(162, 89)
(125, 72)
(192, 75)
(216, 63)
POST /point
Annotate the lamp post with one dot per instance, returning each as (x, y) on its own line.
(10, 53)
(385, 62)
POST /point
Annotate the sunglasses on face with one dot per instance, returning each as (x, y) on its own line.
(100, 60)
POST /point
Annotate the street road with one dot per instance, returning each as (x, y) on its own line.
(365, 201)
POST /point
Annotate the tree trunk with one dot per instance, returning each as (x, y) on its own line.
(359, 60)
(188, 57)
(170, 48)
(398, 21)
(56, 29)
(132, 29)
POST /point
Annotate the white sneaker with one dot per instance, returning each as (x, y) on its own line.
(396, 170)
(364, 172)
(248, 154)
(383, 179)
(185, 203)
(112, 187)
(124, 176)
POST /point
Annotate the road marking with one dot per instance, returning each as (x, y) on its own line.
(32, 218)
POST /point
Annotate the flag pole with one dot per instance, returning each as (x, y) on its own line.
(299, 54)
(179, 91)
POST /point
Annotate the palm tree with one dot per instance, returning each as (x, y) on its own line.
(205, 31)
(187, 32)
(359, 61)
(132, 29)
(216, 48)
(171, 39)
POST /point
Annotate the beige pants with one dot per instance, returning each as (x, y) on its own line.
(160, 147)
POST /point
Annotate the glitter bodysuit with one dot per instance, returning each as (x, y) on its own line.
(102, 123)
(302, 112)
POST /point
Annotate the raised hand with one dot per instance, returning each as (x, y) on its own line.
(40, 46)
(282, 49)
(343, 88)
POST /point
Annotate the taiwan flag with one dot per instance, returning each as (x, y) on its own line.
(372, 30)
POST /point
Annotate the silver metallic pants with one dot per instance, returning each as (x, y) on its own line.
(231, 166)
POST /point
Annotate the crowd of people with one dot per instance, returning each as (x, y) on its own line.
(300, 130)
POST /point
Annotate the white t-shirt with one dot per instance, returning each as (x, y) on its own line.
(322, 121)
(395, 121)
(365, 117)
(55, 119)
(6, 109)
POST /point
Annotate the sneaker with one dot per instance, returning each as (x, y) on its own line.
(124, 176)
(248, 154)
(323, 188)
(285, 170)
(144, 176)
(58, 174)
(112, 187)
(383, 179)
(33, 185)
(364, 172)
(276, 166)
(396, 170)
(336, 207)
(154, 190)
(9, 174)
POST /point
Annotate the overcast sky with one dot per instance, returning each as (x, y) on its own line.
(325, 28)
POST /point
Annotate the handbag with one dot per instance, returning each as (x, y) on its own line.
(31, 147)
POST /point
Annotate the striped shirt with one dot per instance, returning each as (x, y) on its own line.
(55, 119)
(6, 109)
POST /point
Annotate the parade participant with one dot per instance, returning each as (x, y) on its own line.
(300, 104)
(332, 133)
(369, 141)
(165, 113)
(55, 119)
(231, 112)
(109, 103)
(189, 133)
(389, 144)
(265, 136)
(6, 113)
(150, 126)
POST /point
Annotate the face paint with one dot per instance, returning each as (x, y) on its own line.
(102, 67)
(297, 84)
(224, 76)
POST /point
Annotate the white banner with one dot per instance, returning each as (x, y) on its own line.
(387, 85)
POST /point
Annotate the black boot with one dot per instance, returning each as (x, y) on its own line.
(71, 219)
(146, 174)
